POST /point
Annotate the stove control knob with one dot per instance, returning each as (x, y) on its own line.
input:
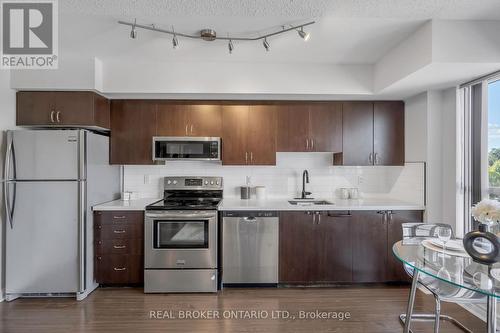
(174, 182)
(217, 183)
(211, 182)
(169, 182)
(206, 182)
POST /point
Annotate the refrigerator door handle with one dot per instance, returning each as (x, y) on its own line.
(81, 236)
(9, 157)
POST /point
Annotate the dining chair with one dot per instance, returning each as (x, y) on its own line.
(441, 291)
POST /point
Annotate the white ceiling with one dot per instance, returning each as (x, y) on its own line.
(403, 9)
(346, 32)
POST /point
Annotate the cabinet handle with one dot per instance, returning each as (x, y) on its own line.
(312, 144)
(119, 231)
(119, 217)
(120, 268)
(370, 158)
(119, 246)
(187, 129)
(319, 217)
(376, 158)
(251, 157)
(246, 157)
(307, 144)
(58, 113)
(52, 116)
(191, 128)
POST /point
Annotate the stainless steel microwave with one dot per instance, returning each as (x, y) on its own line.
(167, 148)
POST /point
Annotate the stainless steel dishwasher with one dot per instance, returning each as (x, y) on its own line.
(250, 247)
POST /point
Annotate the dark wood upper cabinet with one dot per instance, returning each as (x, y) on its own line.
(133, 125)
(205, 120)
(388, 133)
(249, 135)
(262, 134)
(325, 127)
(234, 134)
(63, 108)
(293, 128)
(373, 134)
(310, 127)
(357, 133)
(171, 119)
(182, 119)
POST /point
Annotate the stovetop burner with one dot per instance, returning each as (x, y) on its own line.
(190, 193)
(169, 204)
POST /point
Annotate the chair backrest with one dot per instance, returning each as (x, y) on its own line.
(412, 230)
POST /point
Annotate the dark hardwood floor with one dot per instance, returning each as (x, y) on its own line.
(372, 309)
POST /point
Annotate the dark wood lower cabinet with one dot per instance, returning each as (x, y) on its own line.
(341, 247)
(395, 271)
(298, 248)
(369, 251)
(119, 247)
(314, 248)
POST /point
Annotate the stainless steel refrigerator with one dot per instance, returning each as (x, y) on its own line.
(52, 178)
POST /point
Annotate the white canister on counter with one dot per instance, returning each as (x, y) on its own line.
(344, 193)
(354, 193)
(260, 192)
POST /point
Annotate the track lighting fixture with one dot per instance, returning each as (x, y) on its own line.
(133, 32)
(305, 35)
(266, 44)
(211, 35)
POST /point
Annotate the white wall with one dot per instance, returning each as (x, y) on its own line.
(416, 128)
(431, 137)
(7, 121)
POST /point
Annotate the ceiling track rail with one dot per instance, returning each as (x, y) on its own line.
(152, 27)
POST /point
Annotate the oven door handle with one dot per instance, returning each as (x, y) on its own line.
(181, 216)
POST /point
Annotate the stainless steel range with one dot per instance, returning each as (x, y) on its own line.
(180, 236)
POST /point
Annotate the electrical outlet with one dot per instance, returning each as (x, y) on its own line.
(361, 180)
(147, 179)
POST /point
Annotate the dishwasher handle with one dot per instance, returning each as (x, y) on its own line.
(251, 214)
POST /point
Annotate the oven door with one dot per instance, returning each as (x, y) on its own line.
(180, 240)
(188, 148)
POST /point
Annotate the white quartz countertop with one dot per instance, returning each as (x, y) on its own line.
(275, 204)
(137, 204)
(284, 205)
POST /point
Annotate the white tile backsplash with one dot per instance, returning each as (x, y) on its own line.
(285, 179)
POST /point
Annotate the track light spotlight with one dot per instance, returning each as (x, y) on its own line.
(266, 44)
(304, 35)
(175, 41)
(133, 32)
(230, 46)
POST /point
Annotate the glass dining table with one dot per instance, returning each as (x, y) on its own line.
(452, 273)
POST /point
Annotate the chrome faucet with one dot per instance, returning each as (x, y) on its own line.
(305, 179)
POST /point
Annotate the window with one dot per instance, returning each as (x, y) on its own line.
(493, 109)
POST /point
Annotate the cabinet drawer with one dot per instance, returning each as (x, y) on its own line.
(119, 269)
(119, 246)
(117, 217)
(122, 231)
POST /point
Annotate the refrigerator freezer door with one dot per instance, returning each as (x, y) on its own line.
(42, 246)
(46, 155)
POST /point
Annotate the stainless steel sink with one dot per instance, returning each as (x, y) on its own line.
(312, 202)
